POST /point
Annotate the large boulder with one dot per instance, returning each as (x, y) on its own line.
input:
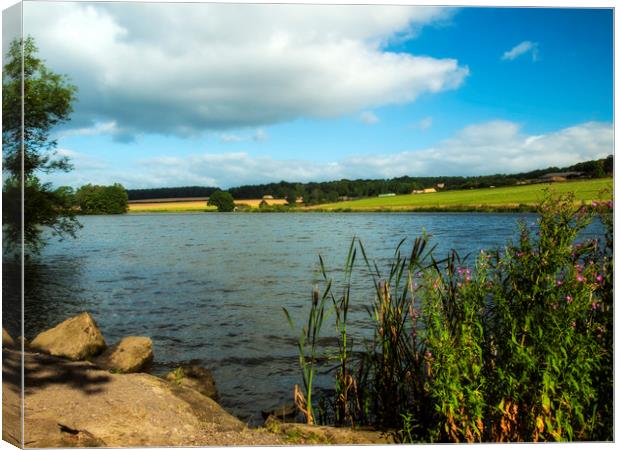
(131, 354)
(194, 377)
(7, 340)
(74, 403)
(76, 338)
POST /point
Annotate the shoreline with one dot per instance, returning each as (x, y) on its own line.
(80, 393)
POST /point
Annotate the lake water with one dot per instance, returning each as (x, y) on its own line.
(209, 288)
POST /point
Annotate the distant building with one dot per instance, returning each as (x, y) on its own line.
(267, 197)
(441, 185)
(390, 194)
(424, 191)
(418, 191)
(430, 190)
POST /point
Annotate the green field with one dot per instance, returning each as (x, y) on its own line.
(488, 199)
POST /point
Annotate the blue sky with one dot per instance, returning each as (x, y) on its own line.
(174, 95)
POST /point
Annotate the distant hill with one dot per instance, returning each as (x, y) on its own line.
(331, 191)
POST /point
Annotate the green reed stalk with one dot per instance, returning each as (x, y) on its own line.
(309, 337)
(345, 382)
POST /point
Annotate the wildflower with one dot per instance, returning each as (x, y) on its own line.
(594, 204)
(595, 306)
(569, 299)
(573, 325)
(559, 282)
(580, 278)
(599, 278)
(610, 204)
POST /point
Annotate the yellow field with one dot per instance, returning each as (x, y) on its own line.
(192, 206)
(255, 202)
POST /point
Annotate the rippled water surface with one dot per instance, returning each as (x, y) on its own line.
(210, 287)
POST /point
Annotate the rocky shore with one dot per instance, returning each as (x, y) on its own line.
(81, 393)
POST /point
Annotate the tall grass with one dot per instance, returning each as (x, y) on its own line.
(516, 345)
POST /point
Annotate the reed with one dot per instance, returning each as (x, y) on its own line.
(516, 345)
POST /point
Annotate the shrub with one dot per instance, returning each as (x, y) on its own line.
(222, 200)
(514, 346)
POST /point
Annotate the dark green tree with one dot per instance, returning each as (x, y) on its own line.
(93, 199)
(47, 99)
(223, 200)
(291, 197)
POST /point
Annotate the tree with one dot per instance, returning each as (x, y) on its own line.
(291, 197)
(93, 199)
(47, 99)
(223, 200)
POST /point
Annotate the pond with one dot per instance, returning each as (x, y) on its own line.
(209, 288)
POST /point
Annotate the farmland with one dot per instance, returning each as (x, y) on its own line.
(489, 199)
(190, 205)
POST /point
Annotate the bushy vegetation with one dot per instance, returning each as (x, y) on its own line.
(516, 345)
(222, 200)
(28, 149)
(95, 199)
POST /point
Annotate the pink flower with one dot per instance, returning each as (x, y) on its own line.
(580, 278)
(594, 204)
(599, 278)
(595, 306)
(569, 299)
(559, 283)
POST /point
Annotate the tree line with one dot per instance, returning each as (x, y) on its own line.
(331, 191)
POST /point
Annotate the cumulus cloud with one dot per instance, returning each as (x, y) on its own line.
(369, 118)
(485, 148)
(521, 49)
(185, 68)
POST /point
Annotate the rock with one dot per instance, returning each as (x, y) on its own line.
(76, 338)
(131, 354)
(194, 377)
(7, 340)
(73, 403)
(281, 412)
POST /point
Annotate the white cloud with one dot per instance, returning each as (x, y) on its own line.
(225, 66)
(369, 118)
(521, 49)
(97, 129)
(479, 149)
(82, 162)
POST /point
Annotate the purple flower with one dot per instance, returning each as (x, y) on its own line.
(559, 282)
